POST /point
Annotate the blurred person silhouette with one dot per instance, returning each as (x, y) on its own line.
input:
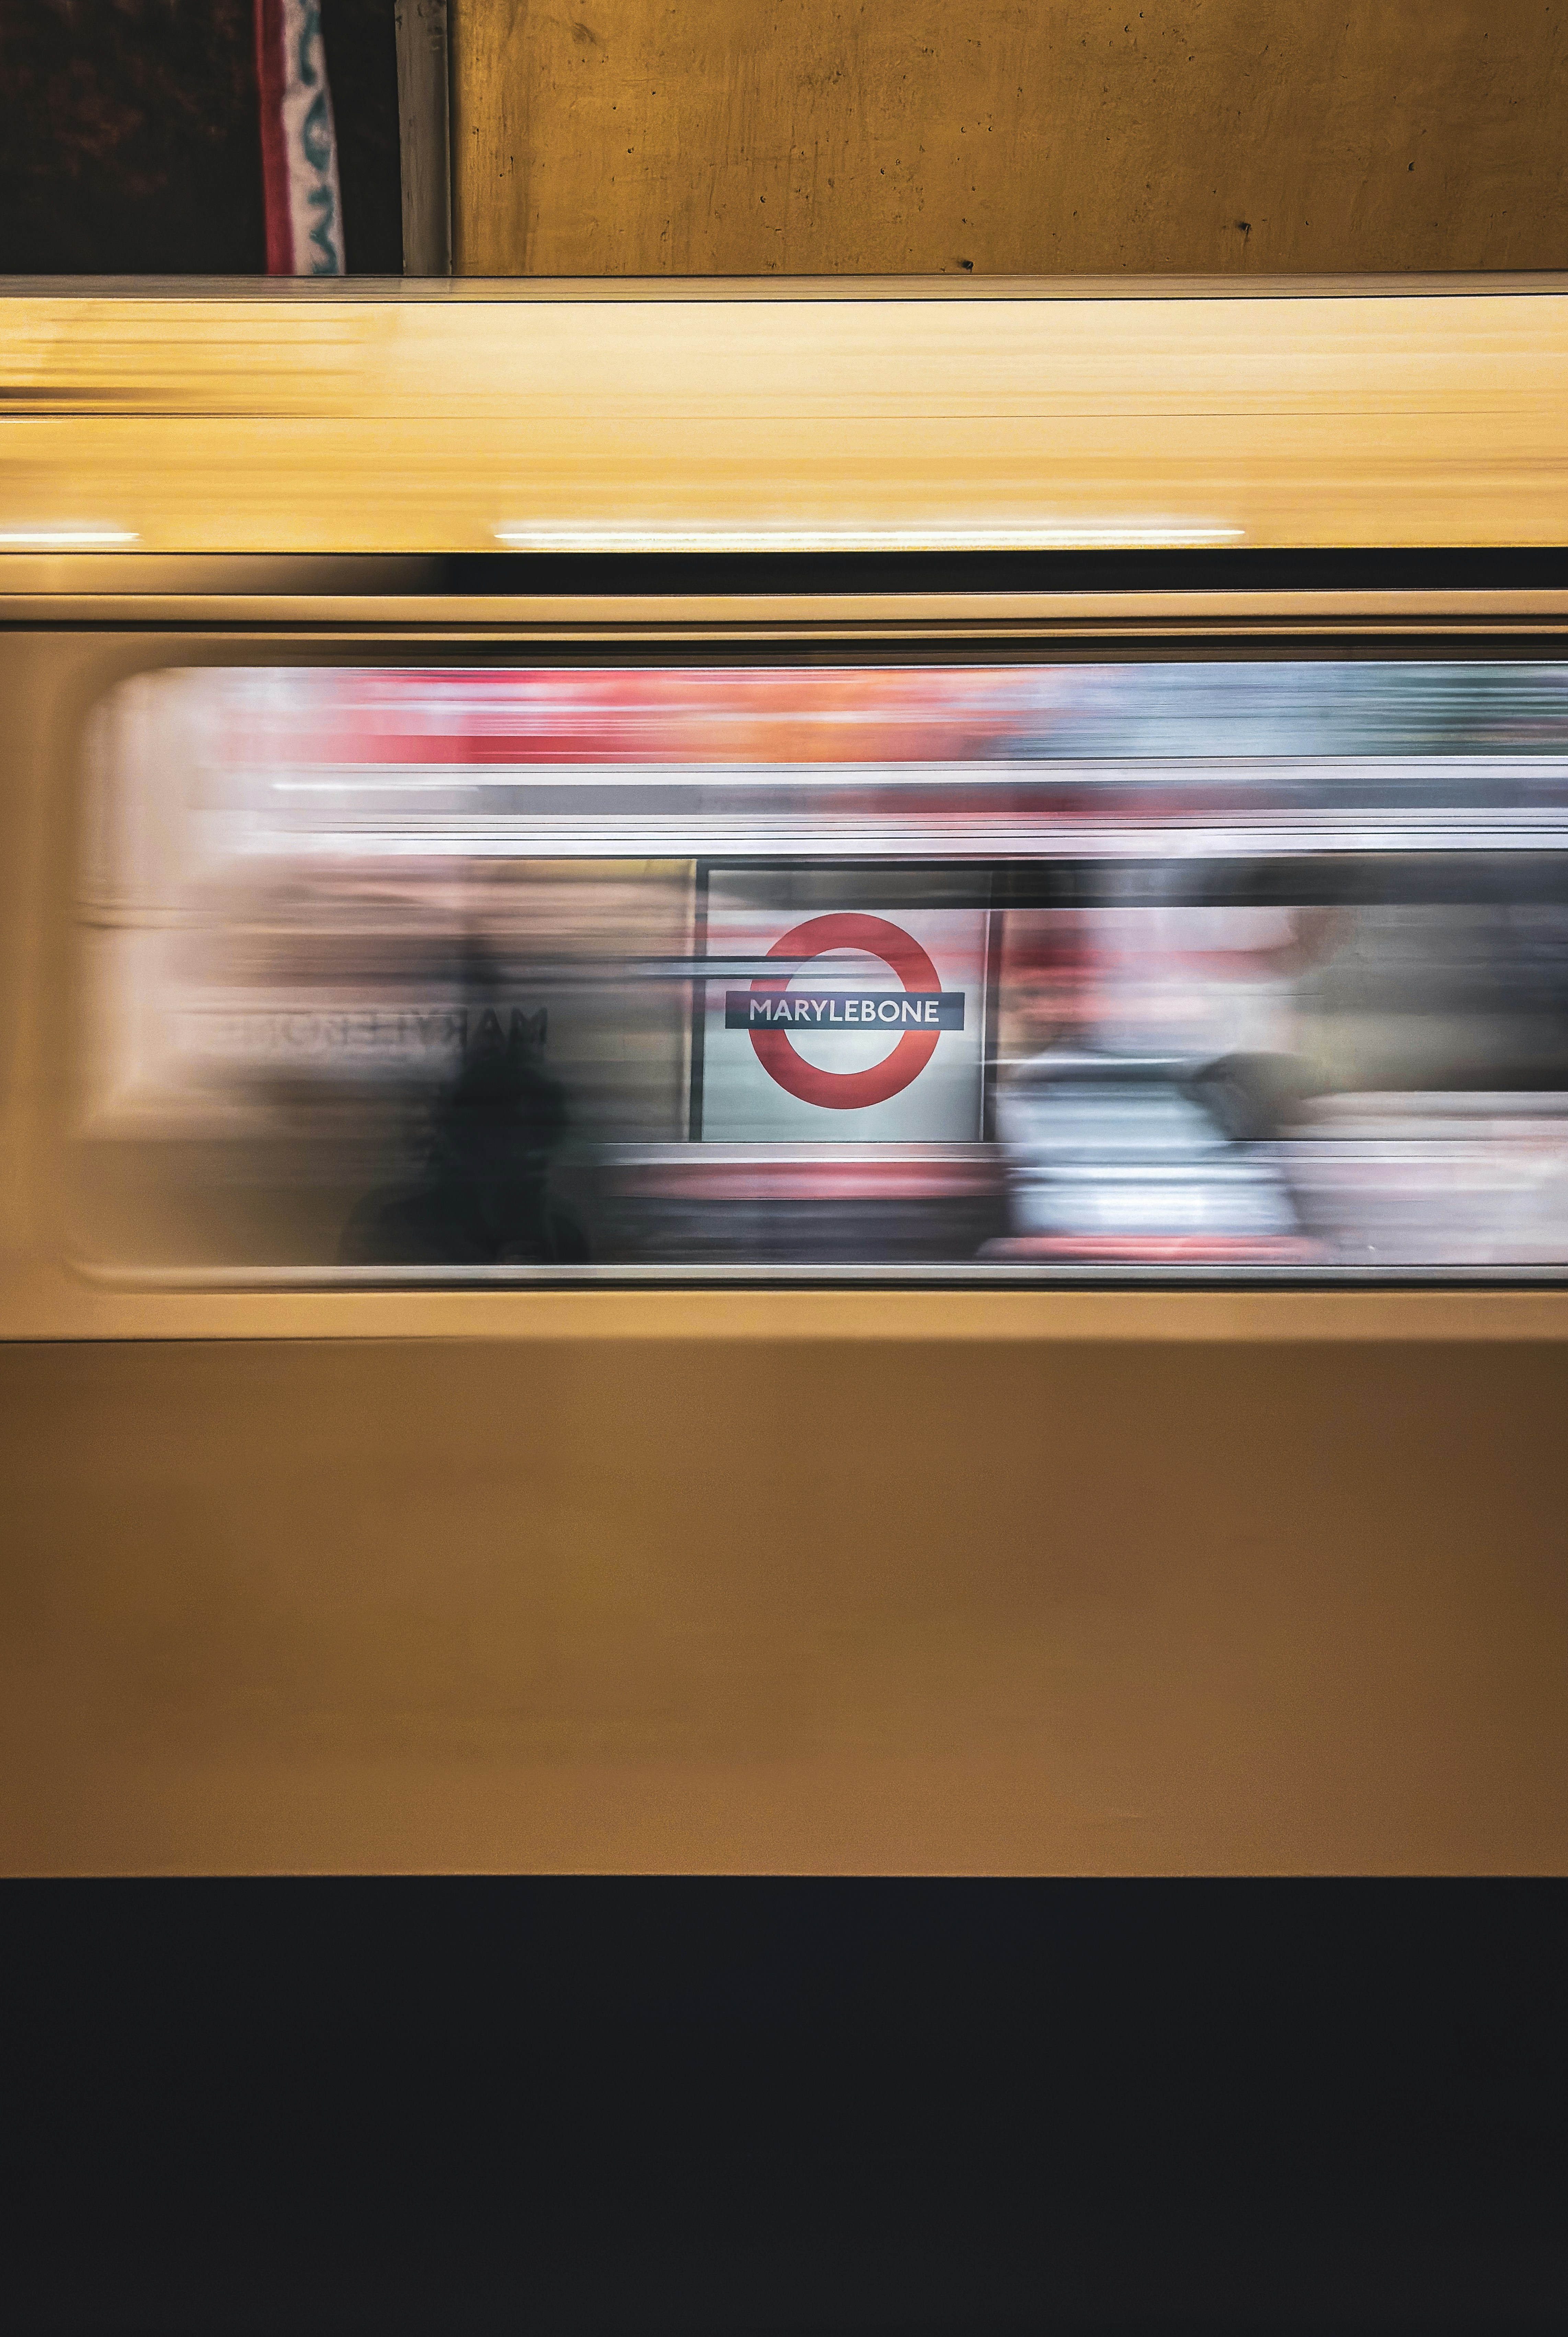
(484, 1196)
(1075, 993)
(1122, 1150)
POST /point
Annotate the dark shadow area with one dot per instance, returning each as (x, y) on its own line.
(1343, 569)
(130, 140)
(362, 63)
(480, 1193)
(622, 2106)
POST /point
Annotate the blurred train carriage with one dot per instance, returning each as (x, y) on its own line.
(832, 880)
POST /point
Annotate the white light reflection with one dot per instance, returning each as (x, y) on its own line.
(1127, 537)
(65, 539)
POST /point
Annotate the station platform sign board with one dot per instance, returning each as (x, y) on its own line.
(851, 1025)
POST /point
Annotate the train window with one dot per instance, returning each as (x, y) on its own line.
(987, 970)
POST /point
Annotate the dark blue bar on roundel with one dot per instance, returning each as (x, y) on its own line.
(843, 1010)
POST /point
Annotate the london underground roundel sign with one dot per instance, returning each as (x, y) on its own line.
(923, 1013)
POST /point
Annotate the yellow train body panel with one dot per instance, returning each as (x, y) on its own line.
(839, 412)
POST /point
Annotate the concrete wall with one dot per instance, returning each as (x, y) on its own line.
(640, 137)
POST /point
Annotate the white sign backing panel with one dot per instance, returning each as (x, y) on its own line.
(871, 1032)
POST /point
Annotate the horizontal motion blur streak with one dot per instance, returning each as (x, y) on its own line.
(1214, 970)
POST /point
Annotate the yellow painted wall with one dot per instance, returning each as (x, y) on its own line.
(642, 137)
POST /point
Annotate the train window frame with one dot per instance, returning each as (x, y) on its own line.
(470, 644)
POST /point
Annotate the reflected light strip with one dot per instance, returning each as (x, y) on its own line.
(587, 536)
(65, 539)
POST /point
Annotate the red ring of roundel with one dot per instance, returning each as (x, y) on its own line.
(848, 1090)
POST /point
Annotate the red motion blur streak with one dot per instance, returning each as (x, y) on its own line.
(692, 714)
(1160, 1249)
(810, 1181)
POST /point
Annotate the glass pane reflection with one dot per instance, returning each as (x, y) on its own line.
(1122, 970)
